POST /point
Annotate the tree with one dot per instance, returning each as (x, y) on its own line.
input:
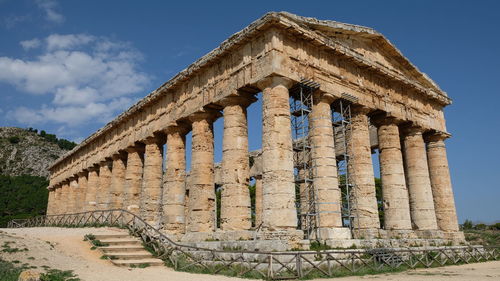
(467, 225)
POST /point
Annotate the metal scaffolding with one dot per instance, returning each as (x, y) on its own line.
(301, 101)
(341, 117)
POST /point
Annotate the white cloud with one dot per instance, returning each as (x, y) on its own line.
(87, 79)
(69, 41)
(49, 8)
(30, 44)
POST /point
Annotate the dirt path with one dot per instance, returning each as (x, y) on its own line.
(64, 249)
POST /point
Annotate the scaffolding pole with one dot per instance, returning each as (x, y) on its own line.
(341, 117)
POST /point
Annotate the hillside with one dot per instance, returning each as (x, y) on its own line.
(25, 152)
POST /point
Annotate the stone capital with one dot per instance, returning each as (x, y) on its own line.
(207, 114)
(152, 140)
(244, 101)
(133, 149)
(274, 81)
(434, 136)
(411, 129)
(384, 119)
(82, 173)
(360, 109)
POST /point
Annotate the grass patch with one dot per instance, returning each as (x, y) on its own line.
(59, 275)
(483, 237)
(9, 272)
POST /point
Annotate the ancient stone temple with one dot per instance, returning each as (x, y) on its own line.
(332, 95)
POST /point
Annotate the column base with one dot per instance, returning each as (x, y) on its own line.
(401, 234)
(369, 233)
(429, 234)
(456, 237)
(332, 233)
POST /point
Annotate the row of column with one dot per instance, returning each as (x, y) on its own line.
(133, 178)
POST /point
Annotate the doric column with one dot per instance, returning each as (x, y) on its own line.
(151, 184)
(324, 164)
(442, 191)
(235, 198)
(57, 200)
(103, 194)
(72, 195)
(174, 189)
(92, 184)
(364, 202)
(258, 201)
(65, 198)
(133, 178)
(202, 190)
(419, 185)
(117, 182)
(82, 190)
(278, 182)
(394, 191)
(51, 201)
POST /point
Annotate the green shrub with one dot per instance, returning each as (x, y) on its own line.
(14, 139)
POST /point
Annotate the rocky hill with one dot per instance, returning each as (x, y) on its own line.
(25, 152)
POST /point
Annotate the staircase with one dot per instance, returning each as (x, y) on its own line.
(126, 250)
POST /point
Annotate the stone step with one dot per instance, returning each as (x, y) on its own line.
(122, 241)
(111, 236)
(120, 248)
(138, 262)
(136, 255)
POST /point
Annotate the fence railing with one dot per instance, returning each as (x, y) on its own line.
(267, 265)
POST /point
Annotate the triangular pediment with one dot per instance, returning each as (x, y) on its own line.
(367, 44)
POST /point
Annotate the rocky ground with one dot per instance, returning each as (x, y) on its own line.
(64, 249)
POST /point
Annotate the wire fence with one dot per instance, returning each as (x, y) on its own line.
(267, 265)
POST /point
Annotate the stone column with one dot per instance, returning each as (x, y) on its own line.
(117, 182)
(235, 198)
(57, 200)
(278, 182)
(442, 192)
(151, 184)
(82, 190)
(72, 195)
(324, 163)
(92, 184)
(65, 198)
(133, 178)
(364, 202)
(51, 201)
(419, 185)
(258, 201)
(103, 190)
(202, 190)
(174, 189)
(394, 191)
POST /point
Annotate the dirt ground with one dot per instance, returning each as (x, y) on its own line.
(64, 249)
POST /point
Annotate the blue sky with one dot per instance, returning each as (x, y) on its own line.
(70, 66)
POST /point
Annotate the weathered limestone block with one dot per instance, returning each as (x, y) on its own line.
(80, 203)
(57, 200)
(278, 182)
(103, 190)
(92, 184)
(394, 191)
(235, 197)
(174, 189)
(133, 178)
(202, 191)
(324, 163)
(442, 192)
(419, 185)
(117, 191)
(364, 201)
(258, 200)
(152, 181)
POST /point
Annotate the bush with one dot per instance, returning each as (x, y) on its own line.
(14, 139)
